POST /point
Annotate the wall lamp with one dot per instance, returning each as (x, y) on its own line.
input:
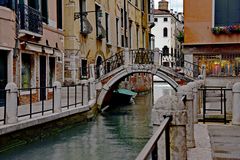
(78, 15)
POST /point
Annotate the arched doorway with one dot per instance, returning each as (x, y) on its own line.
(98, 63)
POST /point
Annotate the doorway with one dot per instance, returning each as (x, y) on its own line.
(3, 76)
(42, 77)
(99, 62)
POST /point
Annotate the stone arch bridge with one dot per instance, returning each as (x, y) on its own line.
(174, 70)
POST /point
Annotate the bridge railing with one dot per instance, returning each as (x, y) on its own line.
(141, 56)
(151, 148)
(110, 64)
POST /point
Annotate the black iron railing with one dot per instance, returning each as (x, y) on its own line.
(110, 64)
(30, 19)
(72, 96)
(214, 94)
(151, 148)
(141, 56)
(3, 108)
(30, 104)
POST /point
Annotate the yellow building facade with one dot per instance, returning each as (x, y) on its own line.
(95, 30)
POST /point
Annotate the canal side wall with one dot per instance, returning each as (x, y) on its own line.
(23, 132)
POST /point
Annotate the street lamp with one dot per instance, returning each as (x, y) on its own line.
(78, 15)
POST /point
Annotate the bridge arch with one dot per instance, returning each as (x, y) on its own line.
(126, 72)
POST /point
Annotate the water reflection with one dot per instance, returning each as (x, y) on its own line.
(120, 133)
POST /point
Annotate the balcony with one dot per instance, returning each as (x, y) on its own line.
(30, 21)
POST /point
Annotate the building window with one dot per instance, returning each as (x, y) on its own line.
(122, 17)
(84, 69)
(107, 26)
(165, 19)
(143, 5)
(137, 33)
(59, 14)
(155, 19)
(165, 51)
(117, 31)
(34, 4)
(143, 39)
(136, 3)
(122, 40)
(227, 12)
(83, 5)
(165, 32)
(26, 71)
(51, 71)
(44, 10)
(98, 20)
(130, 34)
(7, 3)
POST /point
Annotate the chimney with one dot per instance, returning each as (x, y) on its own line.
(163, 5)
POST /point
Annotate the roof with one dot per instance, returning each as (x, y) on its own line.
(161, 12)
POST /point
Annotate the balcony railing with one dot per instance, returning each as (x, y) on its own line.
(30, 19)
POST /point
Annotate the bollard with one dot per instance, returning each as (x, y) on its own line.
(171, 105)
(85, 92)
(187, 91)
(11, 103)
(57, 97)
(236, 104)
(229, 98)
(194, 85)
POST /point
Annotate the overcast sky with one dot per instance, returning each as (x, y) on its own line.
(176, 5)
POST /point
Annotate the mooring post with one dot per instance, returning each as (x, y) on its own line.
(57, 97)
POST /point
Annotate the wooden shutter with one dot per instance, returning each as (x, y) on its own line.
(234, 11)
(221, 15)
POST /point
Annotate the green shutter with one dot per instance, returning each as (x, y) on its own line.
(234, 11)
(221, 15)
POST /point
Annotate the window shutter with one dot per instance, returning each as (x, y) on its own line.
(234, 11)
(221, 15)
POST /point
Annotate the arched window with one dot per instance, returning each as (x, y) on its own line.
(165, 51)
(165, 32)
(98, 63)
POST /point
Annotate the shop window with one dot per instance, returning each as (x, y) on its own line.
(51, 70)
(220, 65)
(27, 67)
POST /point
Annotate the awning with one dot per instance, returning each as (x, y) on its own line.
(126, 92)
(33, 47)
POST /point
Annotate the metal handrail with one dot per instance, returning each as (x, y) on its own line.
(151, 146)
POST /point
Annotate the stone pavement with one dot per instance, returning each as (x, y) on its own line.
(225, 141)
(202, 151)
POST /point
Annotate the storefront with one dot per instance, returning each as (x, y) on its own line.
(221, 65)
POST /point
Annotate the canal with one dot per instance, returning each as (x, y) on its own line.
(119, 133)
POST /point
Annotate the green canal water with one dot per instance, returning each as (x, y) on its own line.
(118, 134)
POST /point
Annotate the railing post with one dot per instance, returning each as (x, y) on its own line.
(57, 97)
(236, 104)
(187, 91)
(85, 92)
(126, 57)
(193, 85)
(229, 98)
(156, 57)
(171, 105)
(11, 103)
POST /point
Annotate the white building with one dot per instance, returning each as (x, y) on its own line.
(166, 29)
